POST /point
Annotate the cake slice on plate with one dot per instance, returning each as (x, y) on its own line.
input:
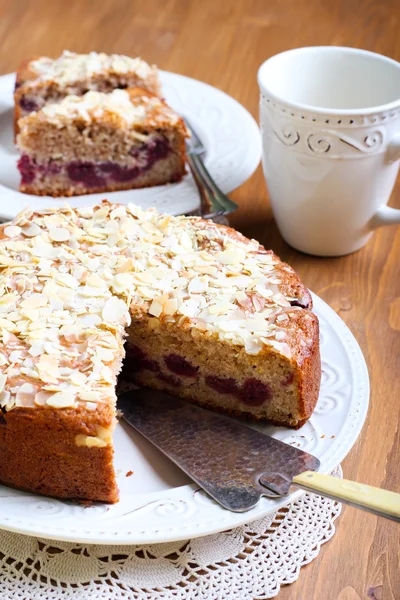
(206, 314)
(44, 80)
(101, 142)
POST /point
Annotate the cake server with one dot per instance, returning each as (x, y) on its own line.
(235, 464)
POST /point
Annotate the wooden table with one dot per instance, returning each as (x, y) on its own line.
(223, 43)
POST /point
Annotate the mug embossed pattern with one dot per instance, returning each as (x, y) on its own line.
(317, 136)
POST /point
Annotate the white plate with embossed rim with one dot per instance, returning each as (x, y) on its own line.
(229, 133)
(158, 501)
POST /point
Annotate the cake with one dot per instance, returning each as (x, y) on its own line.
(205, 314)
(101, 142)
(44, 80)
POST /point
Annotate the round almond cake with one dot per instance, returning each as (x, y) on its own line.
(187, 306)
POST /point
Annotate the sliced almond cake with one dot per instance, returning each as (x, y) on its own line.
(205, 313)
(101, 142)
(44, 80)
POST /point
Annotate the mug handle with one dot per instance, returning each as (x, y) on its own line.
(385, 215)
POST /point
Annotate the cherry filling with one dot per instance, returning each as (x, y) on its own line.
(254, 392)
(27, 104)
(118, 173)
(85, 172)
(27, 169)
(94, 175)
(180, 366)
(136, 360)
(223, 385)
(157, 150)
(170, 379)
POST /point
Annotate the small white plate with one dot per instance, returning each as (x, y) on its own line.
(160, 504)
(229, 133)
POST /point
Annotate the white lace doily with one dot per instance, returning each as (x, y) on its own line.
(252, 561)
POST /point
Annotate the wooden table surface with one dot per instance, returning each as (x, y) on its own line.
(223, 43)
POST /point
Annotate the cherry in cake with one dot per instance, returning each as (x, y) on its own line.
(44, 80)
(101, 142)
(191, 307)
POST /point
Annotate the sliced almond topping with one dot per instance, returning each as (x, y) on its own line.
(4, 398)
(171, 306)
(12, 231)
(42, 397)
(31, 230)
(61, 400)
(89, 441)
(59, 234)
(155, 308)
(48, 368)
(115, 311)
(92, 396)
(34, 301)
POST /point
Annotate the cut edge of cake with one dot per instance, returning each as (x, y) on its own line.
(98, 143)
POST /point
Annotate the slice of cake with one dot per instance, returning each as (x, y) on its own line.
(206, 313)
(101, 142)
(45, 80)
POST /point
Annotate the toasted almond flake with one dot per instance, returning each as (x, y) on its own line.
(59, 234)
(104, 354)
(89, 441)
(31, 230)
(90, 395)
(48, 368)
(96, 281)
(34, 301)
(61, 400)
(15, 356)
(4, 398)
(90, 320)
(171, 306)
(91, 405)
(115, 310)
(42, 397)
(12, 231)
(155, 308)
(3, 379)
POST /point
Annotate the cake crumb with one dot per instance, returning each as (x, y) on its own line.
(323, 435)
(129, 474)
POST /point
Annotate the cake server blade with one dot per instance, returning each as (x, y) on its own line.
(233, 463)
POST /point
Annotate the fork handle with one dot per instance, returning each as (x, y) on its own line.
(210, 206)
(227, 204)
(375, 500)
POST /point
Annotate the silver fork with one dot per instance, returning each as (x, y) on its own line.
(213, 201)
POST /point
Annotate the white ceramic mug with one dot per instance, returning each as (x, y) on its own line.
(330, 122)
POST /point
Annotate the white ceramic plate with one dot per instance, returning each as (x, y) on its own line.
(159, 503)
(230, 134)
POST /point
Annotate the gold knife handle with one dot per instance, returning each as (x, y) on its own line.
(375, 500)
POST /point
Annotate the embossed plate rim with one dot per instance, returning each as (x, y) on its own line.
(184, 512)
(228, 131)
